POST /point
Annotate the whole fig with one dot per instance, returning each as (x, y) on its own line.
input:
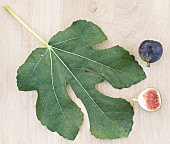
(150, 51)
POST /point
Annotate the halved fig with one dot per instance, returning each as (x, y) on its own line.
(149, 99)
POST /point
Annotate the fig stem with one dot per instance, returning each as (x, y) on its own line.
(148, 64)
(135, 99)
(13, 14)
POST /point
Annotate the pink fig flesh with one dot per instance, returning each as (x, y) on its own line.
(152, 99)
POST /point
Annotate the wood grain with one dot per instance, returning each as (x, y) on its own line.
(125, 22)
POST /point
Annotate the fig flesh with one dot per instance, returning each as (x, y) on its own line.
(150, 51)
(149, 99)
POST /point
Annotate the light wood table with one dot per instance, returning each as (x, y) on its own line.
(125, 22)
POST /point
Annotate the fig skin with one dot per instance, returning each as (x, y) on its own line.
(150, 51)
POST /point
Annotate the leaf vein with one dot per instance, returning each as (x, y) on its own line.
(85, 89)
(52, 82)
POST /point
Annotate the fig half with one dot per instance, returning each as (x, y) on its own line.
(149, 99)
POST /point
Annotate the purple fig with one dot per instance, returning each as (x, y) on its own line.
(150, 51)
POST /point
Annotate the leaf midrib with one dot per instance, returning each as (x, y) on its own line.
(77, 37)
(36, 66)
(94, 61)
(53, 88)
(52, 83)
(85, 90)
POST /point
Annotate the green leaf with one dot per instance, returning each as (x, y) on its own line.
(48, 70)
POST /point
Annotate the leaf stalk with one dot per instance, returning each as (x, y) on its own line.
(13, 14)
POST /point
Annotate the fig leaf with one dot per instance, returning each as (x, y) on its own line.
(70, 55)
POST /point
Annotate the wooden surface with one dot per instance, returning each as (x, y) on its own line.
(125, 22)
